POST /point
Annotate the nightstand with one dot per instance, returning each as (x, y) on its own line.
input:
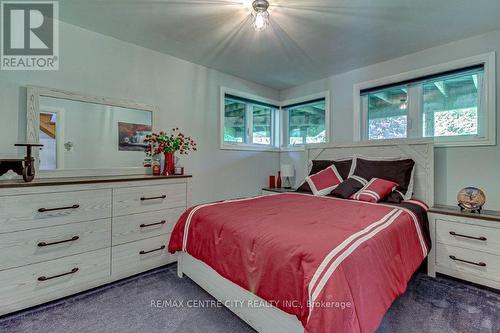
(268, 190)
(465, 245)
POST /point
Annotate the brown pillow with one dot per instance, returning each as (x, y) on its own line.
(347, 188)
(398, 171)
(343, 167)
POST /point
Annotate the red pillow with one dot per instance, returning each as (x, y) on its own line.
(376, 190)
(323, 182)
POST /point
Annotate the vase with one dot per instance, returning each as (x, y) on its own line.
(169, 167)
(272, 181)
(278, 181)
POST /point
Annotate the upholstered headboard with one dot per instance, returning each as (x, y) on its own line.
(422, 152)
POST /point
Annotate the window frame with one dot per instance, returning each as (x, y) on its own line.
(274, 146)
(415, 112)
(285, 139)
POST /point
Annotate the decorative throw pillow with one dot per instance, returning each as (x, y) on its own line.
(323, 182)
(398, 171)
(343, 168)
(375, 190)
(348, 187)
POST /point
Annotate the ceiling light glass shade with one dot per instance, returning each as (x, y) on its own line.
(260, 20)
(260, 15)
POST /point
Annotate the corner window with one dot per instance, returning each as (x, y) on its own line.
(248, 123)
(452, 107)
(307, 122)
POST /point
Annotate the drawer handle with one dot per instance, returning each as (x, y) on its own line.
(482, 264)
(453, 233)
(43, 210)
(72, 239)
(44, 278)
(153, 198)
(158, 249)
(152, 224)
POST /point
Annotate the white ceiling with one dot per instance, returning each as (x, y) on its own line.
(307, 39)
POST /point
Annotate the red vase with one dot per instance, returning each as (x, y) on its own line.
(278, 180)
(169, 167)
(272, 181)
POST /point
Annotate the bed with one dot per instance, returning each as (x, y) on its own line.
(295, 262)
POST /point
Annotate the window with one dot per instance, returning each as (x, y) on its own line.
(235, 125)
(248, 123)
(454, 106)
(307, 122)
(451, 105)
(388, 113)
(262, 125)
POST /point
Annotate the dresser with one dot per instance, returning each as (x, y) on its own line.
(63, 236)
(465, 245)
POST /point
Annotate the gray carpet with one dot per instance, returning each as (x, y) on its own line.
(429, 305)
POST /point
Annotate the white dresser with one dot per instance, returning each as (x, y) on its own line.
(465, 245)
(60, 237)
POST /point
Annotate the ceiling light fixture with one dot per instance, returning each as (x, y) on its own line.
(260, 15)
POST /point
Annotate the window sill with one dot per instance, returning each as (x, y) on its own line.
(243, 147)
(444, 143)
(464, 143)
(293, 148)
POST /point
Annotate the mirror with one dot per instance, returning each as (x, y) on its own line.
(83, 133)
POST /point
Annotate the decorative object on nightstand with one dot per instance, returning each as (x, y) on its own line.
(168, 144)
(287, 171)
(278, 180)
(268, 190)
(471, 199)
(465, 245)
(24, 166)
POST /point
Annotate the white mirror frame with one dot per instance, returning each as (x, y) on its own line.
(33, 129)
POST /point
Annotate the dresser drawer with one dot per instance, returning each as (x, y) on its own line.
(31, 246)
(144, 225)
(133, 200)
(24, 212)
(26, 286)
(469, 236)
(481, 264)
(139, 256)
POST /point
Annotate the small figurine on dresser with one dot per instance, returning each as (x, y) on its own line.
(471, 199)
(23, 166)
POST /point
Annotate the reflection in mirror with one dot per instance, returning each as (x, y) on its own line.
(48, 137)
(85, 135)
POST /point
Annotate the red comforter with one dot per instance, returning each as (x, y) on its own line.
(336, 264)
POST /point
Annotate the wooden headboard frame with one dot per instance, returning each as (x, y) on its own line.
(422, 152)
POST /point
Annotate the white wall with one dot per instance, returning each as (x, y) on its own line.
(455, 168)
(187, 94)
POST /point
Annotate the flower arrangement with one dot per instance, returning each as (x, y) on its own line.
(158, 143)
